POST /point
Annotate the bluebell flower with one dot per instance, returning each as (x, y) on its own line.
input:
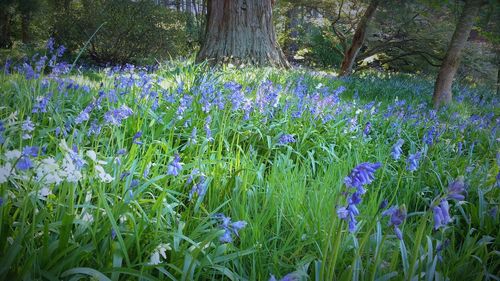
(115, 116)
(95, 129)
(199, 188)
(430, 136)
(24, 163)
(397, 216)
(175, 167)
(136, 137)
(124, 175)
(192, 138)
(367, 129)
(413, 160)
(383, 204)
(286, 139)
(456, 190)
(493, 212)
(28, 125)
(208, 132)
(396, 149)
(441, 214)
(41, 103)
(50, 45)
(30, 151)
(361, 175)
(293, 276)
(121, 151)
(230, 228)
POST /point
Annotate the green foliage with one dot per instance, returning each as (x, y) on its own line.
(132, 31)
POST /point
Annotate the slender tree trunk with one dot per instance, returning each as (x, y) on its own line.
(241, 32)
(442, 88)
(357, 40)
(25, 28)
(5, 40)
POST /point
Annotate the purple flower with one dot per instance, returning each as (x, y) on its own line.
(289, 277)
(41, 103)
(199, 188)
(50, 44)
(28, 125)
(397, 216)
(94, 129)
(121, 151)
(456, 190)
(115, 116)
(367, 128)
(441, 214)
(383, 204)
(396, 149)
(229, 228)
(24, 163)
(136, 137)
(30, 151)
(286, 139)
(413, 160)
(208, 132)
(175, 167)
(361, 175)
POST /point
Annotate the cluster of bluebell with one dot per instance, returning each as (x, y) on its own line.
(361, 175)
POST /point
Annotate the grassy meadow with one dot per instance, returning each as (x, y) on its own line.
(182, 172)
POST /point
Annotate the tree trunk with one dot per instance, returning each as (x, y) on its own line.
(25, 28)
(241, 32)
(357, 40)
(5, 40)
(442, 88)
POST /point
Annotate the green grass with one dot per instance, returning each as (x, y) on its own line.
(288, 194)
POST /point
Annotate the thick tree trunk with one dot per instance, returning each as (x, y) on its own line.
(442, 88)
(357, 40)
(241, 32)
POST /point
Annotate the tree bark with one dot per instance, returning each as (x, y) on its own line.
(442, 88)
(357, 40)
(241, 32)
(25, 28)
(5, 39)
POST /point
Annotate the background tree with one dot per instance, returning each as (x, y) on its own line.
(6, 7)
(358, 39)
(241, 32)
(442, 88)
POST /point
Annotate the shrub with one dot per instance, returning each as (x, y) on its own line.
(132, 30)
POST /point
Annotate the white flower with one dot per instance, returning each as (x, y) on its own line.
(93, 156)
(12, 118)
(87, 217)
(103, 176)
(48, 172)
(155, 258)
(5, 172)
(71, 172)
(44, 192)
(12, 154)
(88, 196)
(161, 250)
